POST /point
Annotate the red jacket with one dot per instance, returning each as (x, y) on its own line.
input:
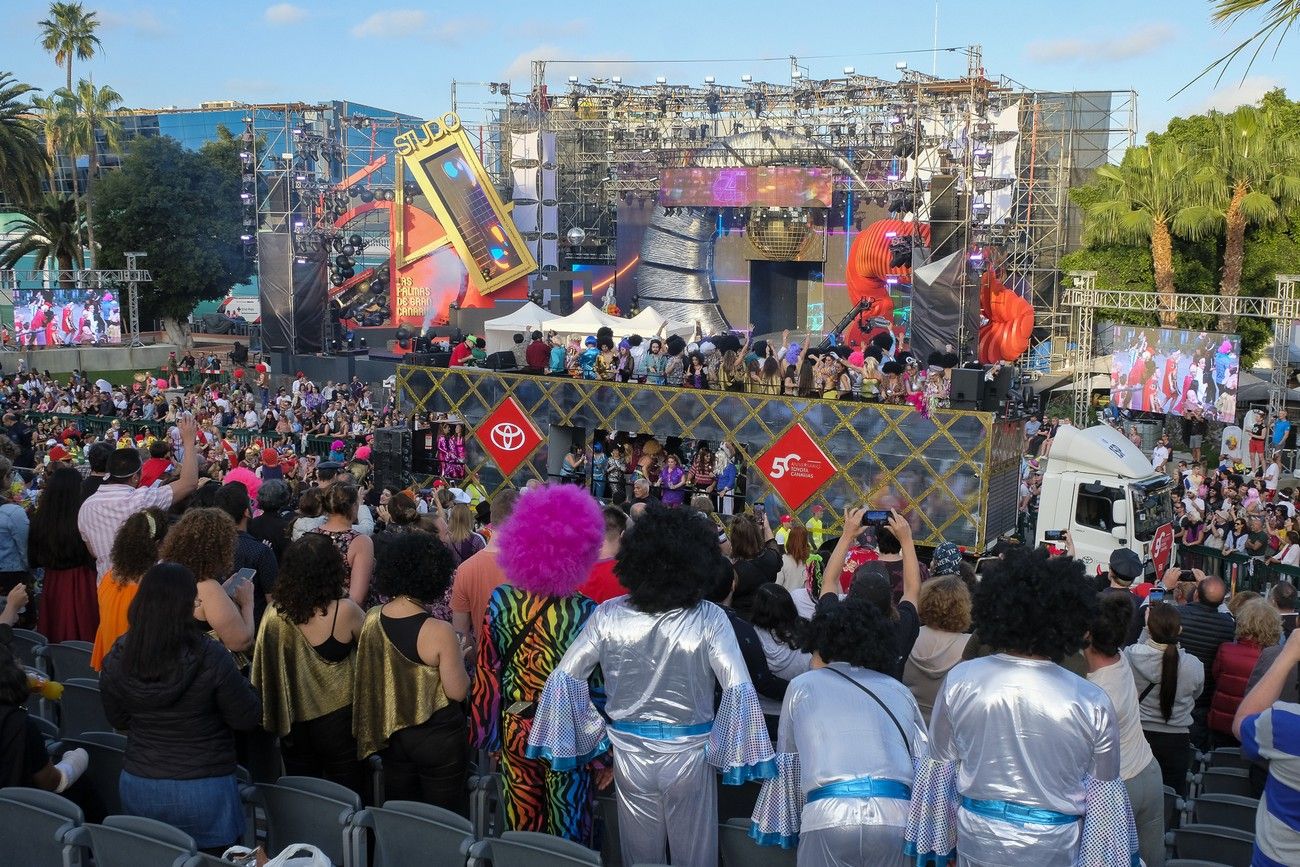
(537, 354)
(1232, 667)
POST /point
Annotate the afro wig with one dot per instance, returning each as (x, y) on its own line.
(852, 631)
(726, 342)
(1035, 604)
(675, 345)
(670, 558)
(551, 540)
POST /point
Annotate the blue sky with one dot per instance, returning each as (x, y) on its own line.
(403, 56)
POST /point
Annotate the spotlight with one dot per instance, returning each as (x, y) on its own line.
(573, 79)
(660, 79)
(901, 65)
(618, 79)
(746, 78)
(709, 79)
(849, 70)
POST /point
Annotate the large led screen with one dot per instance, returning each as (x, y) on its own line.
(66, 317)
(1171, 372)
(742, 187)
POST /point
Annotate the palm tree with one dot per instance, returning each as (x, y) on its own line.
(50, 229)
(51, 126)
(1146, 198)
(1250, 174)
(22, 160)
(1279, 17)
(90, 115)
(70, 30)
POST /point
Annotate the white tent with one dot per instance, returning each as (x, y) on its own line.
(587, 320)
(648, 321)
(499, 333)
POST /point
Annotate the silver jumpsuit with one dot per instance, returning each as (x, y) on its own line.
(661, 672)
(1023, 769)
(844, 770)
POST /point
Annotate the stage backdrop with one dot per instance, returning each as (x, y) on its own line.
(275, 282)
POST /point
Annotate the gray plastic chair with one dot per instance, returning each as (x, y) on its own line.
(1226, 781)
(530, 849)
(36, 828)
(1227, 757)
(309, 810)
(25, 644)
(107, 752)
(740, 850)
(1230, 811)
(81, 709)
(68, 659)
(1214, 843)
(406, 832)
(128, 841)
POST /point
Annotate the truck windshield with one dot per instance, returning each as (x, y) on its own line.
(1152, 507)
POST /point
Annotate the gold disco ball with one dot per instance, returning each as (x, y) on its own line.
(780, 234)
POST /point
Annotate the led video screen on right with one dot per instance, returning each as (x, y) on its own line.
(1170, 371)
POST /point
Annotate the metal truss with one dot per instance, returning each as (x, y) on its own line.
(1083, 299)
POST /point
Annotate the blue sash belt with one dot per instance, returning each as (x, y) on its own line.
(861, 787)
(1018, 814)
(659, 731)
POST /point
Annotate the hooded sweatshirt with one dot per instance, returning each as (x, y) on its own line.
(932, 656)
(1146, 658)
(181, 727)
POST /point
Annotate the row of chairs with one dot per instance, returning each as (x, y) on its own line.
(62, 661)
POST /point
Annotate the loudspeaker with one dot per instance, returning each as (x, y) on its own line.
(391, 457)
(946, 234)
(427, 359)
(965, 391)
(503, 360)
(997, 391)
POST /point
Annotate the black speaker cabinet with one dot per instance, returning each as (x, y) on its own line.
(965, 392)
(503, 360)
(391, 457)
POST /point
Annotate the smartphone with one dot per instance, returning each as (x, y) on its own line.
(1157, 594)
(1054, 536)
(876, 517)
(234, 581)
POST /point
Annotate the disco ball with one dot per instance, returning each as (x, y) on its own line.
(576, 236)
(778, 234)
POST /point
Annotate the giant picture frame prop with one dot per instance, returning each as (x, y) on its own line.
(443, 162)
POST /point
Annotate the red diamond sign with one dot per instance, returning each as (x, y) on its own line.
(508, 436)
(796, 466)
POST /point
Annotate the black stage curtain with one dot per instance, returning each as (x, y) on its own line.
(938, 316)
(275, 290)
(310, 295)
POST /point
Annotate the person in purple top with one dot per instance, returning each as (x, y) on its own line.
(672, 481)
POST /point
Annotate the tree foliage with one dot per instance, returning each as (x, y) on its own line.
(22, 156)
(182, 208)
(49, 230)
(1198, 264)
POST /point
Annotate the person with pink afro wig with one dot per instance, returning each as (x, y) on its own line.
(546, 549)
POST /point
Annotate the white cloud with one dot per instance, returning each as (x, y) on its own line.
(285, 13)
(392, 24)
(1245, 92)
(1137, 42)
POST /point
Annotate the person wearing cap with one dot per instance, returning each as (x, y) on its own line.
(120, 495)
(1125, 568)
(58, 455)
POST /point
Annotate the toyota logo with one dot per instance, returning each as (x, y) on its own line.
(507, 436)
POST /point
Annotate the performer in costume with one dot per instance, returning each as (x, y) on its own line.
(1023, 764)
(848, 734)
(547, 548)
(664, 652)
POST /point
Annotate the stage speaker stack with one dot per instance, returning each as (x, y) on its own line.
(391, 457)
(946, 235)
(998, 391)
(965, 390)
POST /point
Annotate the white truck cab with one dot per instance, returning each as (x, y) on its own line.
(1101, 488)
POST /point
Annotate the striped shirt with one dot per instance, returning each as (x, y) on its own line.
(105, 511)
(1274, 736)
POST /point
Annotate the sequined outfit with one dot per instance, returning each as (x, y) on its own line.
(1023, 768)
(841, 793)
(535, 797)
(661, 675)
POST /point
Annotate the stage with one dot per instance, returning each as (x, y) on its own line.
(954, 474)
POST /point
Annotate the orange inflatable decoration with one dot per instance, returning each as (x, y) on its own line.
(868, 266)
(1009, 320)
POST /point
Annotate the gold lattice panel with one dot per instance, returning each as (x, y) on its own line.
(954, 473)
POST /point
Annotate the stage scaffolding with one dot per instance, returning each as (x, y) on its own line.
(613, 139)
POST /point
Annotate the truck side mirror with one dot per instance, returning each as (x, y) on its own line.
(1120, 532)
(1119, 513)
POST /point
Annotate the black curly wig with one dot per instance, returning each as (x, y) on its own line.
(312, 575)
(1035, 604)
(668, 559)
(674, 345)
(852, 631)
(414, 564)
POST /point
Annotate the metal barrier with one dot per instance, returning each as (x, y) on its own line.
(1239, 571)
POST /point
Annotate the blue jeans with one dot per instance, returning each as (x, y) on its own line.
(208, 809)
